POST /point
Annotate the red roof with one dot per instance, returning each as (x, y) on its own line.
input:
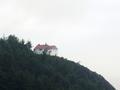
(45, 46)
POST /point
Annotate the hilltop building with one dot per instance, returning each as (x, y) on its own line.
(50, 50)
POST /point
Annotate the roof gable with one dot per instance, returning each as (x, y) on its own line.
(45, 46)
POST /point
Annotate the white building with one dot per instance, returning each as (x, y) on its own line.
(50, 50)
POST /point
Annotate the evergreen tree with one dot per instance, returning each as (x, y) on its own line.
(21, 69)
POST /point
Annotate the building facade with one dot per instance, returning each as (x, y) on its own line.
(48, 49)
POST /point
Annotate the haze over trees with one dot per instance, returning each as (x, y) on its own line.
(22, 69)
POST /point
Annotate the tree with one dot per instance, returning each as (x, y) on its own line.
(28, 45)
(21, 69)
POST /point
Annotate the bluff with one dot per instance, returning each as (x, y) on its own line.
(22, 69)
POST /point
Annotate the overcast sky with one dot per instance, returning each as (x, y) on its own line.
(84, 30)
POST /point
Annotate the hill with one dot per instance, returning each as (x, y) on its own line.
(21, 69)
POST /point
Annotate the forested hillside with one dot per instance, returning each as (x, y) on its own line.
(22, 69)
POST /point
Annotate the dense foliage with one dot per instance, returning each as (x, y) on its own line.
(21, 69)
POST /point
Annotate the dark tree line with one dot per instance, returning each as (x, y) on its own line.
(22, 69)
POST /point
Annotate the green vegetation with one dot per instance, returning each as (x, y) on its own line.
(21, 69)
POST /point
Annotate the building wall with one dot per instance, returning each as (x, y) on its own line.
(52, 52)
(37, 51)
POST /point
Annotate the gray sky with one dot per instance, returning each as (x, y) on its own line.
(85, 30)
